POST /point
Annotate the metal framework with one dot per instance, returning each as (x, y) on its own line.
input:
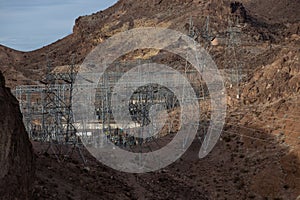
(139, 107)
(233, 71)
(47, 112)
(232, 51)
(48, 117)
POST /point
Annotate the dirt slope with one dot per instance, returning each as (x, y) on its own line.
(245, 164)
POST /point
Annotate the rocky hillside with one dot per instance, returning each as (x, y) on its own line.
(260, 27)
(275, 11)
(16, 155)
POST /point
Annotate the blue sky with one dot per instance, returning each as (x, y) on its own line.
(31, 24)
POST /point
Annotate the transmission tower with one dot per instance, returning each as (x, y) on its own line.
(57, 120)
(233, 52)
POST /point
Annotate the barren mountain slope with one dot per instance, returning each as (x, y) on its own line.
(91, 30)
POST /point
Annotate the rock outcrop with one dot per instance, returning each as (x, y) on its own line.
(16, 154)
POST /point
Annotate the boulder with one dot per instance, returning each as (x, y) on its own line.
(16, 153)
